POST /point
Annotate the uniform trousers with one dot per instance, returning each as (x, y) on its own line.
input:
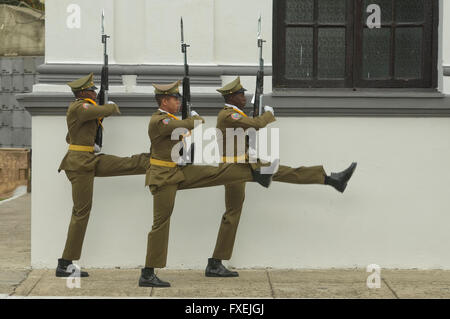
(82, 190)
(164, 200)
(234, 200)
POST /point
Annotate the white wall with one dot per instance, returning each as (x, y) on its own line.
(148, 32)
(78, 45)
(394, 212)
(236, 26)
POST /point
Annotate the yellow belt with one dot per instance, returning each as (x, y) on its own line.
(234, 159)
(81, 148)
(157, 162)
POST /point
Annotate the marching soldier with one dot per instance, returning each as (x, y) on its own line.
(232, 116)
(165, 176)
(81, 164)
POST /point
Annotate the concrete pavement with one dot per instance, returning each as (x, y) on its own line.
(253, 283)
(15, 234)
(17, 279)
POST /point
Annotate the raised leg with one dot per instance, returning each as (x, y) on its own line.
(206, 176)
(110, 165)
(300, 175)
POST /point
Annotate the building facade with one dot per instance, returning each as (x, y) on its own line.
(350, 80)
(21, 51)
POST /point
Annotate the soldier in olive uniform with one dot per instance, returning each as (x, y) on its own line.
(81, 164)
(232, 116)
(165, 176)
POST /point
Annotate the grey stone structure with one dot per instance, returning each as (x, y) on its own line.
(18, 74)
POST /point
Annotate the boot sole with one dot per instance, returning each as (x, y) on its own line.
(65, 275)
(223, 276)
(349, 176)
(141, 284)
(352, 171)
(342, 189)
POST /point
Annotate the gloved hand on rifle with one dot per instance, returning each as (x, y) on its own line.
(97, 149)
(193, 113)
(116, 110)
(269, 109)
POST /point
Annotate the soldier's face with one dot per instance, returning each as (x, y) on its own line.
(86, 94)
(240, 100)
(91, 95)
(171, 104)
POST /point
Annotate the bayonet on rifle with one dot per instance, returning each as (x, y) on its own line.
(259, 92)
(103, 95)
(186, 152)
(104, 87)
(186, 102)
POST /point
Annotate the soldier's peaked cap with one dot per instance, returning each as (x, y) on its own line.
(234, 86)
(167, 89)
(84, 83)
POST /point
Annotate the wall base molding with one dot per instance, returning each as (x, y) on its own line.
(134, 104)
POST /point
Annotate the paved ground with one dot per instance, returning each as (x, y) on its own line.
(260, 283)
(17, 279)
(14, 243)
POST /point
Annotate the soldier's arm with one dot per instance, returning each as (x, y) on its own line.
(87, 111)
(167, 125)
(247, 122)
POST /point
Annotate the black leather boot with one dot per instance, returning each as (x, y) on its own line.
(265, 179)
(149, 279)
(216, 269)
(339, 180)
(61, 269)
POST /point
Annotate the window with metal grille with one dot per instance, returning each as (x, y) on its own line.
(334, 43)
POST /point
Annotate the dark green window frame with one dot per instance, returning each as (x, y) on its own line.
(353, 70)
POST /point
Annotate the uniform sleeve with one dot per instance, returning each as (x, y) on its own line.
(258, 122)
(87, 111)
(166, 125)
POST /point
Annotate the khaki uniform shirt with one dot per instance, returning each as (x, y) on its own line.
(82, 122)
(229, 118)
(160, 132)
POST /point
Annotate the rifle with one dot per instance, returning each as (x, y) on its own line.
(104, 87)
(186, 100)
(259, 91)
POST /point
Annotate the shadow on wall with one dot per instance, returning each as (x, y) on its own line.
(22, 31)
